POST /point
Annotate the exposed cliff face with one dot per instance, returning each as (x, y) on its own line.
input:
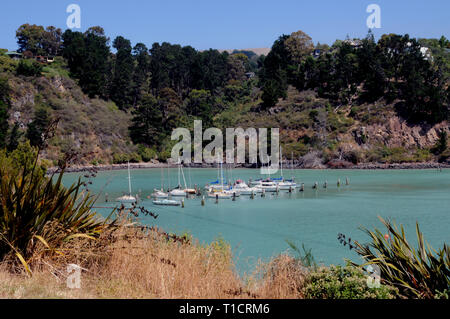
(93, 128)
(398, 133)
(395, 132)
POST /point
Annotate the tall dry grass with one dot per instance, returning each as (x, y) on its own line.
(134, 262)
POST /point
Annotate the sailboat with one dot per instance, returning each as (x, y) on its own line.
(127, 199)
(188, 190)
(285, 184)
(160, 193)
(244, 189)
(179, 191)
(220, 191)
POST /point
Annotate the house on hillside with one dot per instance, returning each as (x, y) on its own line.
(14, 55)
(250, 75)
(41, 58)
(316, 53)
(356, 43)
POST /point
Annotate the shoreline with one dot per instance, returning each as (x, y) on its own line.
(143, 165)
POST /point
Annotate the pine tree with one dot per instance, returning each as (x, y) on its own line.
(14, 136)
(146, 127)
(121, 86)
(37, 127)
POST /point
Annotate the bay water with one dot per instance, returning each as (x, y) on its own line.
(259, 228)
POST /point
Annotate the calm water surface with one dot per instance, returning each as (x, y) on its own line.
(259, 228)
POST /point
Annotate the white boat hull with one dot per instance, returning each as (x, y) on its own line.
(178, 192)
(166, 202)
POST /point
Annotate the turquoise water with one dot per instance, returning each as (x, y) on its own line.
(259, 228)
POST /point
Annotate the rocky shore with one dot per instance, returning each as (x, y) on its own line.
(297, 165)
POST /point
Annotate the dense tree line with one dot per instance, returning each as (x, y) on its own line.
(395, 67)
(36, 40)
(164, 85)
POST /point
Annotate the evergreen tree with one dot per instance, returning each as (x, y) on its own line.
(146, 127)
(14, 136)
(122, 86)
(38, 126)
(141, 74)
(88, 59)
(274, 76)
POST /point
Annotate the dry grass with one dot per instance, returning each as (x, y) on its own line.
(132, 262)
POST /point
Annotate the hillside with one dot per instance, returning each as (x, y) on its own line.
(311, 129)
(320, 135)
(93, 128)
(352, 103)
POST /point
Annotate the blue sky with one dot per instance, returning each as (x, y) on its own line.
(230, 24)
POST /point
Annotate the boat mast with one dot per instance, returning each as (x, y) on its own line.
(184, 179)
(129, 179)
(168, 174)
(179, 182)
(281, 162)
(162, 178)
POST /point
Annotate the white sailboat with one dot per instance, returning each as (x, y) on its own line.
(127, 199)
(179, 191)
(244, 189)
(221, 192)
(284, 184)
(160, 193)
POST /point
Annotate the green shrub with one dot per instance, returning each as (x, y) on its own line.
(120, 158)
(336, 282)
(146, 153)
(29, 68)
(7, 65)
(338, 122)
(422, 155)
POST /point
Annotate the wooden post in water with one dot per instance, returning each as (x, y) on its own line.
(182, 203)
(325, 185)
(315, 185)
(338, 182)
(252, 195)
(217, 198)
(347, 182)
(106, 197)
(234, 196)
(263, 194)
(290, 189)
(203, 200)
(302, 187)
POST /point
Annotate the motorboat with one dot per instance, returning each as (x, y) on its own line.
(267, 185)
